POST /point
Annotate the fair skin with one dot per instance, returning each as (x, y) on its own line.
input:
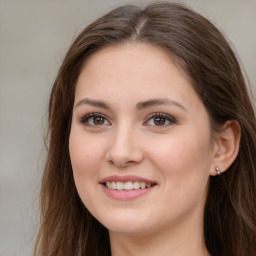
(136, 114)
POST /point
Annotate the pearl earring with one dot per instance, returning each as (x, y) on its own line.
(217, 170)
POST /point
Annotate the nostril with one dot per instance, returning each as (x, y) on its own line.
(121, 162)
(123, 150)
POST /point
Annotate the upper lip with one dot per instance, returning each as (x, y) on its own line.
(126, 178)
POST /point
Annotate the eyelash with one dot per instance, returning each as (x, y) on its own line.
(166, 118)
(85, 119)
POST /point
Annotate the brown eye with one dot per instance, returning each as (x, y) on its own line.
(159, 121)
(95, 119)
(98, 120)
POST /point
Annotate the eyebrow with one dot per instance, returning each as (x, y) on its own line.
(95, 103)
(141, 105)
(158, 102)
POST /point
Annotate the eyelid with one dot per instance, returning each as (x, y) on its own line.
(86, 117)
(168, 117)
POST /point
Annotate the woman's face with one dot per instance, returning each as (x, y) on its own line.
(140, 141)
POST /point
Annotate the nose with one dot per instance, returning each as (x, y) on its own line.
(124, 148)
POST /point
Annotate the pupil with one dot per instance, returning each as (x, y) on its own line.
(159, 121)
(98, 120)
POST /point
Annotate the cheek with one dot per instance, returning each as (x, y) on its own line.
(183, 166)
(84, 153)
(179, 152)
(184, 163)
(85, 157)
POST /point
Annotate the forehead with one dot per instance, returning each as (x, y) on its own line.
(138, 64)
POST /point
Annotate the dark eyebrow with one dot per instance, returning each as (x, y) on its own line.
(157, 102)
(96, 103)
(140, 105)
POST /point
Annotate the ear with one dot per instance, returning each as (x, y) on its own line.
(226, 146)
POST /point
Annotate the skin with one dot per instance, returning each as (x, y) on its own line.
(179, 155)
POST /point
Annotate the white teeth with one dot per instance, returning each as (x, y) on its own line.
(119, 185)
(143, 185)
(108, 184)
(113, 185)
(129, 185)
(136, 185)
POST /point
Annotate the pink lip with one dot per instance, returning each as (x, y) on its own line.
(126, 194)
(126, 178)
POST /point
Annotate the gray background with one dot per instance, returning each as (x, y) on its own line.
(34, 35)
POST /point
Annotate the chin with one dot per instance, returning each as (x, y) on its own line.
(125, 223)
(129, 229)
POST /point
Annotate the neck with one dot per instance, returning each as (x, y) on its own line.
(177, 240)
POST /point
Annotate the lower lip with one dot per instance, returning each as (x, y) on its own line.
(126, 194)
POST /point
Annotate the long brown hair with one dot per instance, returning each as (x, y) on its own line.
(66, 226)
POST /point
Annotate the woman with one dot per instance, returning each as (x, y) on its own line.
(151, 141)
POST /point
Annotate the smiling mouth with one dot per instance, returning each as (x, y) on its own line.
(129, 185)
